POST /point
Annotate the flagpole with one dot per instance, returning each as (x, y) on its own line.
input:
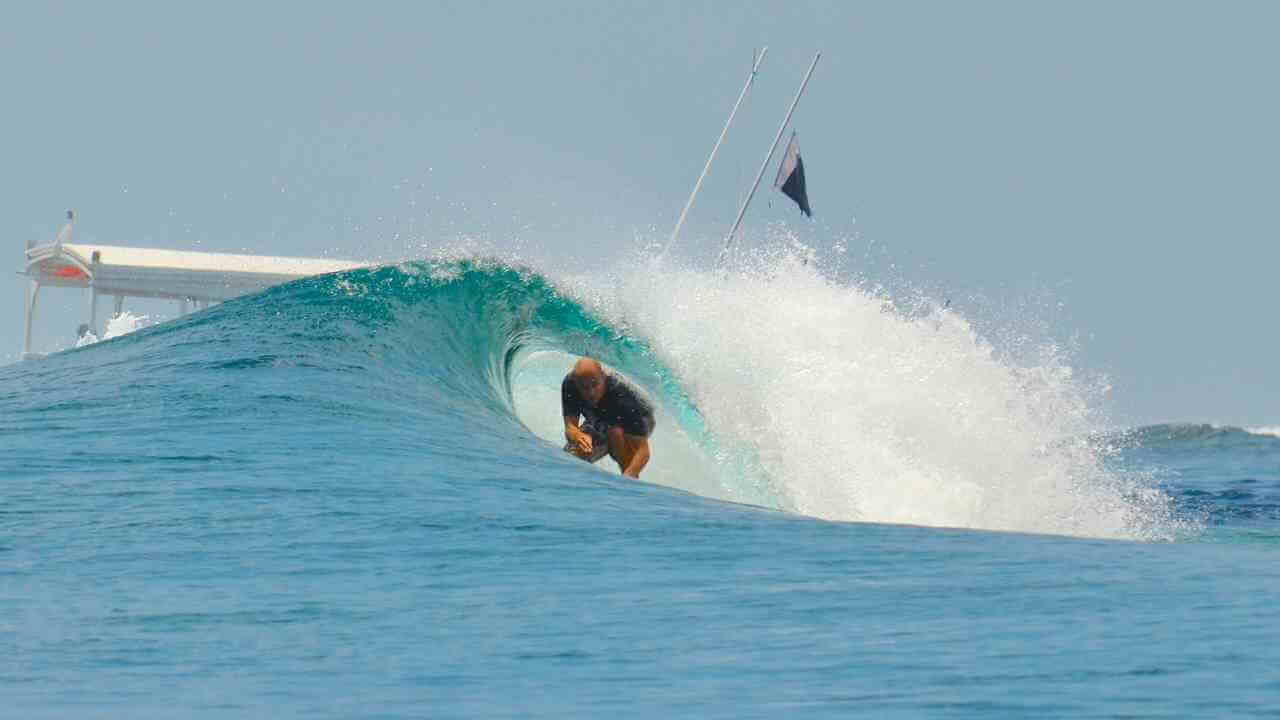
(765, 165)
(697, 186)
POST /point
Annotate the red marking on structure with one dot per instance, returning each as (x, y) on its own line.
(68, 271)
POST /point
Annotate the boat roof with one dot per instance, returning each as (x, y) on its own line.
(208, 261)
(158, 272)
(137, 272)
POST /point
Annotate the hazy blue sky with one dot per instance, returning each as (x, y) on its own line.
(1113, 166)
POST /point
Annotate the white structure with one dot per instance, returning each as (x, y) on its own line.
(191, 278)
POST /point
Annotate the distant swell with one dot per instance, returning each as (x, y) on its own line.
(1200, 436)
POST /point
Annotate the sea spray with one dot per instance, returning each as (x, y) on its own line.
(118, 325)
(852, 410)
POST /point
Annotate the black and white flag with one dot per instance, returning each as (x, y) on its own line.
(791, 177)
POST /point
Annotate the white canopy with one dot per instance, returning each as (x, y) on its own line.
(183, 275)
(176, 274)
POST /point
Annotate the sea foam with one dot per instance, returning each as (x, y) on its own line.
(825, 399)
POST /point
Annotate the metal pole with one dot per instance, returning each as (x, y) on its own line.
(698, 185)
(33, 292)
(93, 308)
(94, 260)
(764, 165)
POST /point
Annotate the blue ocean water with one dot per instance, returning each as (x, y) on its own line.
(345, 497)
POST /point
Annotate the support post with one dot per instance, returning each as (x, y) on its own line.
(764, 165)
(119, 306)
(33, 292)
(94, 260)
(755, 66)
(93, 308)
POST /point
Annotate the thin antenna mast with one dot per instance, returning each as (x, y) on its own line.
(763, 166)
(755, 66)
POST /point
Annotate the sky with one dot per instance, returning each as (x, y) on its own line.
(1111, 168)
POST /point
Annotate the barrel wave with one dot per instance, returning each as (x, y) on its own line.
(775, 387)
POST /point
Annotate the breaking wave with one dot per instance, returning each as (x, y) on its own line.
(775, 385)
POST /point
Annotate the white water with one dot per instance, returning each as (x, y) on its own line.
(122, 324)
(843, 408)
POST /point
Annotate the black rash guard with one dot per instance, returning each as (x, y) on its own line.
(621, 406)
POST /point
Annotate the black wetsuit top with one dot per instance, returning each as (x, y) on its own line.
(621, 406)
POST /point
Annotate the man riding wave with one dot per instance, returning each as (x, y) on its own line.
(616, 419)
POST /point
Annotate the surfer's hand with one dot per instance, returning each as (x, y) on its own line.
(584, 444)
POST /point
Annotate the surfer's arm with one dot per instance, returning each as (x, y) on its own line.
(639, 458)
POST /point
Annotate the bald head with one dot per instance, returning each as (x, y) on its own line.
(588, 377)
(587, 368)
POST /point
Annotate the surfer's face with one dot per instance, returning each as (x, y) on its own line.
(590, 387)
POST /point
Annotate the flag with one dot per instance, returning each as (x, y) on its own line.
(791, 177)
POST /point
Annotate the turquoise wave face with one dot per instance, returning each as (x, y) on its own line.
(466, 325)
(460, 324)
(435, 343)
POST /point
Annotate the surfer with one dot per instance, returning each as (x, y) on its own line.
(616, 419)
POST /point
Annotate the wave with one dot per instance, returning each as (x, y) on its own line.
(775, 385)
(1199, 436)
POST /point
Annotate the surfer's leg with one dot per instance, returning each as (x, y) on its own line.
(631, 452)
(619, 449)
(623, 447)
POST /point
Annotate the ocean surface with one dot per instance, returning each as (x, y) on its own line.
(346, 497)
